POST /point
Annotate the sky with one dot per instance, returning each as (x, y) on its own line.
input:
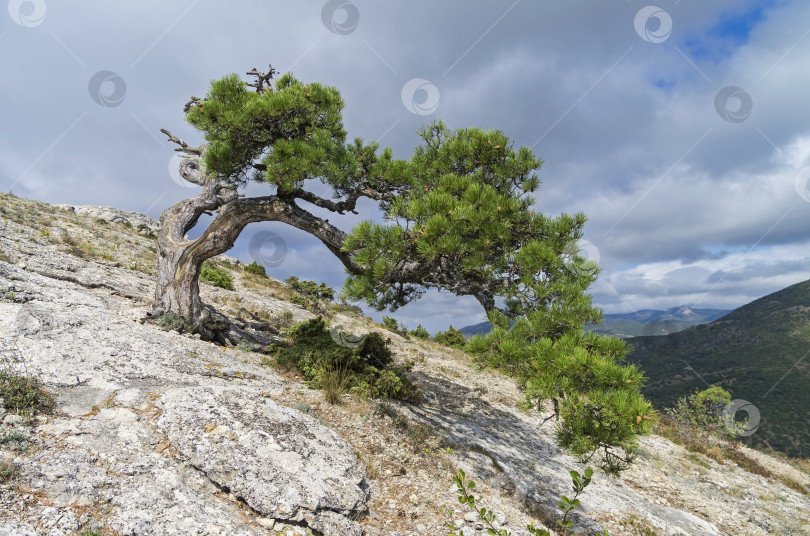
(680, 129)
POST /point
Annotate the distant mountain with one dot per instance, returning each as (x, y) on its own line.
(759, 352)
(645, 322)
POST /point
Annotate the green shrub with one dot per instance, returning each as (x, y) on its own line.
(24, 395)
(703, 409)
(420, 332)
(144, 230)
(216, 276)
(14, 440)
(173, 322)
(452, 337)
(256, 269)
(8, 471)
(391, 324)
(365, 370)
(310, 288)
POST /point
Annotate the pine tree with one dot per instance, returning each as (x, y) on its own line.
(458, 218)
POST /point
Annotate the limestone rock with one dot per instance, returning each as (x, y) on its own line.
(281, 462)
(114, 215)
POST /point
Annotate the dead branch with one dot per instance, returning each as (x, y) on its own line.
(184, 147)
(262, 79)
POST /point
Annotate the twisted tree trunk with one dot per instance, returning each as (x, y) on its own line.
(180, 259)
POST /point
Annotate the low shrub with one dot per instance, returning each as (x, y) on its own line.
(256, 269)
(363, 367)
(24, 395)
(216, 276)
(310, 288)
(14, 440)
(144, 230)
(420, 332)
(391, 324)
(452, 337)
(8, 471)
(173, 322)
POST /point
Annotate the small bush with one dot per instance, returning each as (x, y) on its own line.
(256, 269)
(216, 276)
(703, 411)
(14, 440)
(144, 230)
(420, 332)
(303, 407)
(364, 369)
(24, 395)
(391, 324)
(173, 322)
(8, 471)
(452, 337)
(310, 288)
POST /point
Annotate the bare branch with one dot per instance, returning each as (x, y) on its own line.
(191, 103)
(262, 79)
(184, 147)
(347, 204)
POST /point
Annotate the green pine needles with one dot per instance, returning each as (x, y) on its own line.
(595, 397)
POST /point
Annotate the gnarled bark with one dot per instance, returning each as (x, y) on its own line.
(180, 259)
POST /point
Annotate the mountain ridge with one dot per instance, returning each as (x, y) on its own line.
(637, 323)
(757, 352)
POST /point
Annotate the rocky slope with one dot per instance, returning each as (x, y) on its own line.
(160, 433)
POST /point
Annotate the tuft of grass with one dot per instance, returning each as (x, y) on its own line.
(334, 380)
(8, 471)
(217, 276)
(83, 250)
(24, 395)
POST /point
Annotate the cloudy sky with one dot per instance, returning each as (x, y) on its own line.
(681, 129)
